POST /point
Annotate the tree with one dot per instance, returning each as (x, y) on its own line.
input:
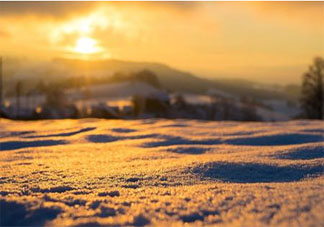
(312, 99)
(147, 77)
(18, 94)
(138, 104)
(55, 95)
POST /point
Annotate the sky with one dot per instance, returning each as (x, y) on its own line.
(272, 42)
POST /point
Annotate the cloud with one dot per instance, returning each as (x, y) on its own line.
(300, 13)
(4, 34)
(66, 9)
(175, 5)
(49, 9)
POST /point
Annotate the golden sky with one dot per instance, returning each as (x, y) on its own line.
(253, 40)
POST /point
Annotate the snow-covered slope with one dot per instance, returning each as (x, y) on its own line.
(160, 172)
(122, 89)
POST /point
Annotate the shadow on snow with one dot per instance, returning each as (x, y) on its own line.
(306, 153)
(277, 140)
(64, 134)
(13, 145)
(254, 172)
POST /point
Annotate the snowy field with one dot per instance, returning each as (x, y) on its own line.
(161, 172)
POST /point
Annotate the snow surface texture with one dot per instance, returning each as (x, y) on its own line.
(161, 172)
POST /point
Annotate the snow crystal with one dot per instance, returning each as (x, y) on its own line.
(93, 172)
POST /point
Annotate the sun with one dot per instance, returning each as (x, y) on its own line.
(86, 45)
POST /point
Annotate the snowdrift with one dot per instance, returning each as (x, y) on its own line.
(161, 172)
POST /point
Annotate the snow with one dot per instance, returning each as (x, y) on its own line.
(282, 107)
(216, 92)
(94, 172)
(121, 89)
(194, 98)
(272, 115)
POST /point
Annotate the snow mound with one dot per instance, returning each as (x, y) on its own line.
(93, 172)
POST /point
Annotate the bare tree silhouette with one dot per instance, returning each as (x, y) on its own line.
(18, 94)
(1, 84)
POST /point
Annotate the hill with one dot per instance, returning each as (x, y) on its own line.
(170, 78)
(69, 71)
(173, 79)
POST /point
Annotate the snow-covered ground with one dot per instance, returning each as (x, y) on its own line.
(161, 172)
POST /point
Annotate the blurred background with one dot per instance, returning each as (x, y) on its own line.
(244, 61)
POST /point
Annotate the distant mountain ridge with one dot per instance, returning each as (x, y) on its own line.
(170, 78)
(173, 79)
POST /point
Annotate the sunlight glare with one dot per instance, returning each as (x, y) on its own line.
(86, 45)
